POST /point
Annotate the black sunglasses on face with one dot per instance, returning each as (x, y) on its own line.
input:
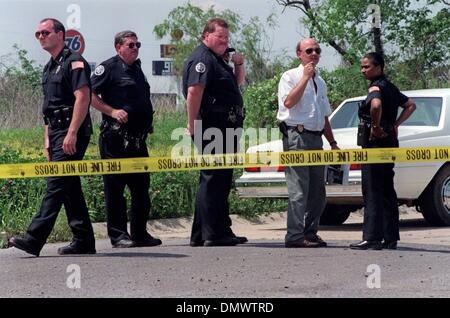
(310, 50)
(132, 44)
(43, 33)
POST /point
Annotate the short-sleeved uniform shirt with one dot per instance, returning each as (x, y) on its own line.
(391, 99)
(125, 87)
(206, 68)
(62, 76)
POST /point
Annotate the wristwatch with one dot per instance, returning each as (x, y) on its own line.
(334, 142)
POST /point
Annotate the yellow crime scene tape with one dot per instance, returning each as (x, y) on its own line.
(225, 161)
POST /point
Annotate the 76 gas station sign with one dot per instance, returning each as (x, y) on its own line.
(75, 41)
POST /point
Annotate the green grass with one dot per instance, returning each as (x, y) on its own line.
(172, 193)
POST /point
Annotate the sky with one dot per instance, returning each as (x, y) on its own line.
(100, 20)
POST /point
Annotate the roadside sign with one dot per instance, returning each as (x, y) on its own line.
(75, 41)
(163, 68)
(167, 50)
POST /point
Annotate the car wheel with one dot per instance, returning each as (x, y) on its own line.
(435, 203)
(336, 214)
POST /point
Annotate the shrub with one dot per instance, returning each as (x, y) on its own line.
(261, 104)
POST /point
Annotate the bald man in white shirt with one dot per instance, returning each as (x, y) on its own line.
(303, 111)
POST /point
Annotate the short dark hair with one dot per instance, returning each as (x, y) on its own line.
(376, 58)
(120, 37)
(210, 26)
(57, 26)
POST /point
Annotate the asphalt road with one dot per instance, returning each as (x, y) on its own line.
(260, 268)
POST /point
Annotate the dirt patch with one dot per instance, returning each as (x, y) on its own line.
(413, 229)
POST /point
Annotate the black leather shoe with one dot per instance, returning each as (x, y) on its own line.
(226, 241)
(366, 245)
(196, 243)
(241, 239)
(316, 239)
(74, 248)
(24, 245)
(390, 245)
(124, 243)
(301, 243)
(148, 241)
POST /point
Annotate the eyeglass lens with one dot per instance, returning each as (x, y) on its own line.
(137, 44)
(310, 50)
(43, 33)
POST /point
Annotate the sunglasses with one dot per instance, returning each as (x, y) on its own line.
(310, 50)
(43, 33)
(132, 45)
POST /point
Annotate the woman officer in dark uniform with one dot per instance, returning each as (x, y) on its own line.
(381, 215)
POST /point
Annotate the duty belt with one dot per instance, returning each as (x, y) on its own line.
(59, 118)
(226, 109)
(130, 139)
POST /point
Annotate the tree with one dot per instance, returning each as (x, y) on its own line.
(250, 38)
(20, 91)
(345, 25)
(28, 71)
(409, 34)
(424, 45)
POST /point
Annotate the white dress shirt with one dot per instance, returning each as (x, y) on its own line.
(312, 108)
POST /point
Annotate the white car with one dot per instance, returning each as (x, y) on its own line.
(425, 185)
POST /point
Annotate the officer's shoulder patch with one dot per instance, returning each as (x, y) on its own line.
(374, 89)
(200, 67)
(99, 70)
(77, 64)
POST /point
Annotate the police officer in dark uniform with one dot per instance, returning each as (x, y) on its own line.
(379, 114)
(213, 98)
(121, 92)
(67, 91)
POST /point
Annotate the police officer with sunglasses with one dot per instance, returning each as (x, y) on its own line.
(67, 91)
(121, 92)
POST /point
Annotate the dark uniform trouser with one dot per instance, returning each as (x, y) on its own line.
(381, 215)
(63, 190)
(211, 216)
(116, 205)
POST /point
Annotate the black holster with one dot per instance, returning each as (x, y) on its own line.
(283, 128)
(363, 134)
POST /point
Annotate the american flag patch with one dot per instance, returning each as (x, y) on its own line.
(77, 64)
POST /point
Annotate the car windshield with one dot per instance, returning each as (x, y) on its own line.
(428, 113)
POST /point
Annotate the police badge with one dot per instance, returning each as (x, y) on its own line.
(232, 116)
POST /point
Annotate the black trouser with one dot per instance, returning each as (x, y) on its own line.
(139, 185)
(63, 190)
(381, 215)
(211, 215)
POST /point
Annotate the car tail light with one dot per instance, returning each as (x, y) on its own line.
(355, 166)
(264, 169)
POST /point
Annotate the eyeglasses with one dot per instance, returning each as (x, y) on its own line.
(310, 50)
(132, 45)
(43, 33)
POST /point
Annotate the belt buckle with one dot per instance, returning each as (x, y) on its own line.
(300, 128)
